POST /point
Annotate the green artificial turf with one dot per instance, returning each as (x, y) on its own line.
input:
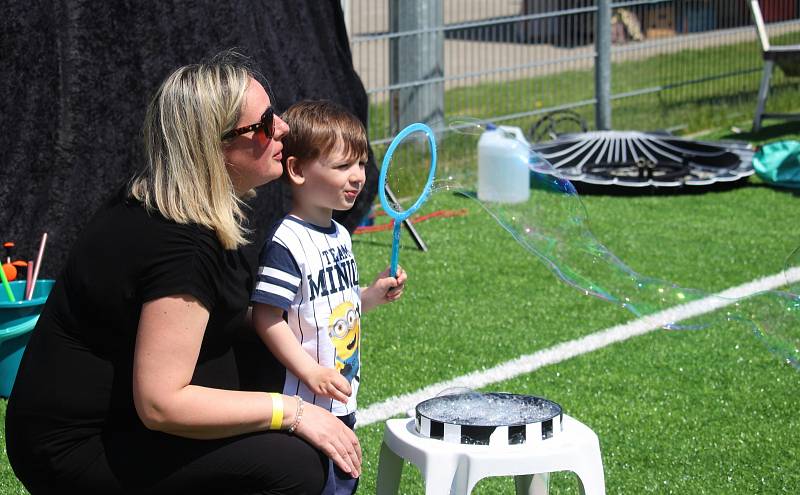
(709, 411)
(478, 298)
(676, 412)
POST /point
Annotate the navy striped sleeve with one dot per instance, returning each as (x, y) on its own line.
(278, 277)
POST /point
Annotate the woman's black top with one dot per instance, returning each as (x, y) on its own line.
(75, 379)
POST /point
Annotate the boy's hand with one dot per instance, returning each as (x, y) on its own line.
(330, 383)
(384, 289)
(394, 292)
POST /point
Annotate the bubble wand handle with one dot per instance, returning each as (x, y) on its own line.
(395, 247)
(388, 207)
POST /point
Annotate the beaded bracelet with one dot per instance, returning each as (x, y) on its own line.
(277, 411)
(299, 414)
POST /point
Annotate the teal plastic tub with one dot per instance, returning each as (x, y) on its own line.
(17, 319)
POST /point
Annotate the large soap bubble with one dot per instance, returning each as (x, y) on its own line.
(553, 226)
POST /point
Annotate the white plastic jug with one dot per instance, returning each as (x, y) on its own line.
(503, 173)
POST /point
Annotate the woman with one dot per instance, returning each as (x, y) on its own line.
(129, 384)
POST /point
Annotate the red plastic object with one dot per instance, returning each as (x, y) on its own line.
(11, 271)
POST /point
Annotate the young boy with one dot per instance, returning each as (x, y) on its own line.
(307, 301)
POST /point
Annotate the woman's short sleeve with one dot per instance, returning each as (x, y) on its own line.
(185, 260)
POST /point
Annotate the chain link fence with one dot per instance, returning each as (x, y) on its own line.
(680, 65)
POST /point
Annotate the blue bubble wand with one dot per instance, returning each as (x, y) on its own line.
(389, 208)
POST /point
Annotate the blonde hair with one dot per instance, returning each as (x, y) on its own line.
(318, 127)
(185, 177)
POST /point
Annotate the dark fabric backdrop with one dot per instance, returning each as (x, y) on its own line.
(76, 76)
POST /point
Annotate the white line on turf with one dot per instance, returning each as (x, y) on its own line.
(530, 362)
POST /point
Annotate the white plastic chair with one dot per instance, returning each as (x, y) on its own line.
(457, 468)
(787, 57)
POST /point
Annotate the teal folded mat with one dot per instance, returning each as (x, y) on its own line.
(778, 163)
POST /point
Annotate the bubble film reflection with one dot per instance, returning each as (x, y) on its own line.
(553, 226)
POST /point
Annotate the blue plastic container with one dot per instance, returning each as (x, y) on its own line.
(17, 319)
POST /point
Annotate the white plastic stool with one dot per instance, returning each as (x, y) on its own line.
(457, 468)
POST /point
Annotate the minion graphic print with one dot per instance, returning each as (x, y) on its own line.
(310, 272)
(344, 329)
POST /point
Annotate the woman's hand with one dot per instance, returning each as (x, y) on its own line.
(384, 289)
(327, 433)
(330, 383)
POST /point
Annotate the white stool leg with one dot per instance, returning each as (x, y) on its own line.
(763, 93)
(440, 475)
(464, 480)
(532, 484)
(390, 467)
(590, 472)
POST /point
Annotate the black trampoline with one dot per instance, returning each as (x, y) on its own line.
(641, 159)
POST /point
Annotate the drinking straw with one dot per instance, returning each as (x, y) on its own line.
(7, 285)
(28, 277)
(9, 247)
(36, 267)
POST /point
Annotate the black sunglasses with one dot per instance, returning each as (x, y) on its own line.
(267, 124)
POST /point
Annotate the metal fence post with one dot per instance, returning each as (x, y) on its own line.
(414, 58)
(602, 66)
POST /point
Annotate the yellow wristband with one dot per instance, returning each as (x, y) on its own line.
(277, 411)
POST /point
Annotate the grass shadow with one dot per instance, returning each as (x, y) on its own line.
(767, 133)
(584, 189)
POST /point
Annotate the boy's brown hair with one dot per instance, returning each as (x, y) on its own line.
(316, 126)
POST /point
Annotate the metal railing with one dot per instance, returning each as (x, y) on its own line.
(512, 61)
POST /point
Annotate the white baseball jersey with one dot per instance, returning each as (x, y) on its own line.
(310, 273)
